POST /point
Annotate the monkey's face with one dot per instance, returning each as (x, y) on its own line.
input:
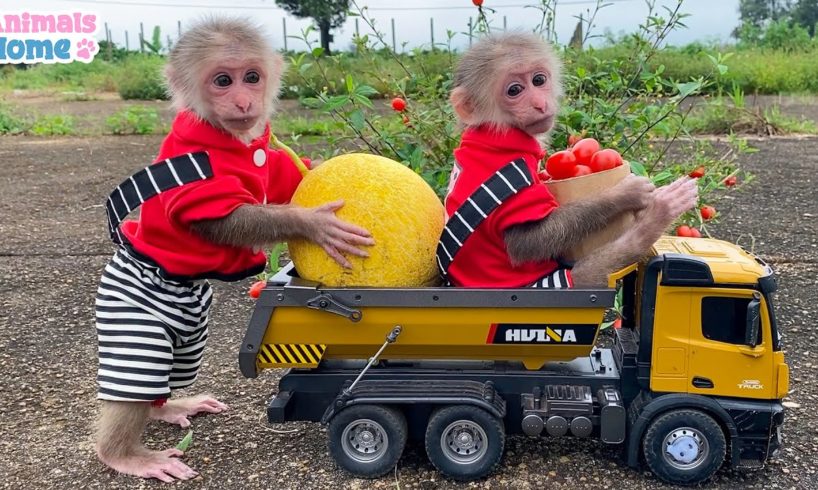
(235, 90)
(527, 96)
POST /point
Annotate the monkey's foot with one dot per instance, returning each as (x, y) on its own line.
(178, 411)
(162, 465)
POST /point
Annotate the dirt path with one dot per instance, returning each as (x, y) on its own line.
(53, 247)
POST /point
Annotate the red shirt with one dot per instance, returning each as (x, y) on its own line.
(242, 174)
(483, 260)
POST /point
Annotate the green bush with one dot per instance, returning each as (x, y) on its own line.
(53, 125)
(9, 123)
(140, 78)
(136, 120)
(66, 76)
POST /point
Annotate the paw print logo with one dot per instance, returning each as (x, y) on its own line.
(86, 49)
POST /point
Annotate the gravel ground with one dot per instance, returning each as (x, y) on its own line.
(53, 247)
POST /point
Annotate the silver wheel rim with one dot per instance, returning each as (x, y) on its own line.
(685, 448)
(364, 440)
(464, 442)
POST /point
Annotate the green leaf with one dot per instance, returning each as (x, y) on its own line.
(638, 169)
(366, 90)
(688, 88)
(350, 84)
(357, 119)
(303, 68)
(662, 177)
(317, 52)
(336, 102)
(186, 441)
(363, 100)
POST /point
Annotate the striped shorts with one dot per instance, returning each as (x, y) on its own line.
(559, 279)
(151, 331)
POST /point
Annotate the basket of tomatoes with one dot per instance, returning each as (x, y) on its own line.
(585, 169)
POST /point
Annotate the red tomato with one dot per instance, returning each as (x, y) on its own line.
(561, 164)
(617, 323)
(477, 3)
(683, 230)
(605, 160)
(581, 170)
(398, 104)
(695, 233)
(406, 120)
(255, 289)
(584, 149)
(708, 212)
(698, 172)
(572, 140)
(730, 181)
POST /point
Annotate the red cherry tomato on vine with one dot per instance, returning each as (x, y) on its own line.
(708, 212)
(605, 160)
(584, 149)
(698, 172)
(255, 289)
(730, 181)
(683, 230)
(561, 164)
(398, 104)
(573, 139)
(695, 233)
(477, 3)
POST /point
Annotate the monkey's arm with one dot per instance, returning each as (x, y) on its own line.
(255, 226)
(564, 228)
(259, 225)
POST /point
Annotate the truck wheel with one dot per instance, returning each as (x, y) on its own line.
(464, 442)
(367, 440)
(684, 447)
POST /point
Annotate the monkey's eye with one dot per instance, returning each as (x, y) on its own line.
(514, 90)
(222, 80)
(252, 77)
(539, 79)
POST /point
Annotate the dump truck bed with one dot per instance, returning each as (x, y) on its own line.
(298, 323)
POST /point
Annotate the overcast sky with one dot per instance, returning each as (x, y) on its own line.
(710, 19)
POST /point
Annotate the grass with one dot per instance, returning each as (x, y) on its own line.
(754, 70)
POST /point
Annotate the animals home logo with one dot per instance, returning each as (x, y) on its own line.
(47, 37)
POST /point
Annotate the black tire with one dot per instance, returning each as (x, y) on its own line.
(684, 447)
(482, 447)
(367, 440)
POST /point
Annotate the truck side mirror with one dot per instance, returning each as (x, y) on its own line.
(753, 323)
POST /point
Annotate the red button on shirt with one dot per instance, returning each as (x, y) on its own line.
(483, 260)
(163, 232)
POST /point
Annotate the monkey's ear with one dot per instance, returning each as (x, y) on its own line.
(461, 104)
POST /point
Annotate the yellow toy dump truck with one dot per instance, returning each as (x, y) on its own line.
(694, 376)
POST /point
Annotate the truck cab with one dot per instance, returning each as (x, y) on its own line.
(699, 324)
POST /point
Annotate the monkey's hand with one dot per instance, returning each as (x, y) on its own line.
(178, 411)
(569, 224)
(336, 236)
(670, 201)
(631, 193)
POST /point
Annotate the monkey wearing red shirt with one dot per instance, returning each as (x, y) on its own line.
(506, 94)
(153, 300)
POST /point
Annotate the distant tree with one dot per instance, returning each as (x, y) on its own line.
(328, 14)
(758, 12)
(805, 14)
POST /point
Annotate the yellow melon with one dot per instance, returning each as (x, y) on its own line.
(395, 204)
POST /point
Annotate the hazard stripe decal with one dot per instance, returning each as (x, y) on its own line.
(290, 355)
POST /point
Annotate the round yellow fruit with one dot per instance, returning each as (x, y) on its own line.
(399, 209)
